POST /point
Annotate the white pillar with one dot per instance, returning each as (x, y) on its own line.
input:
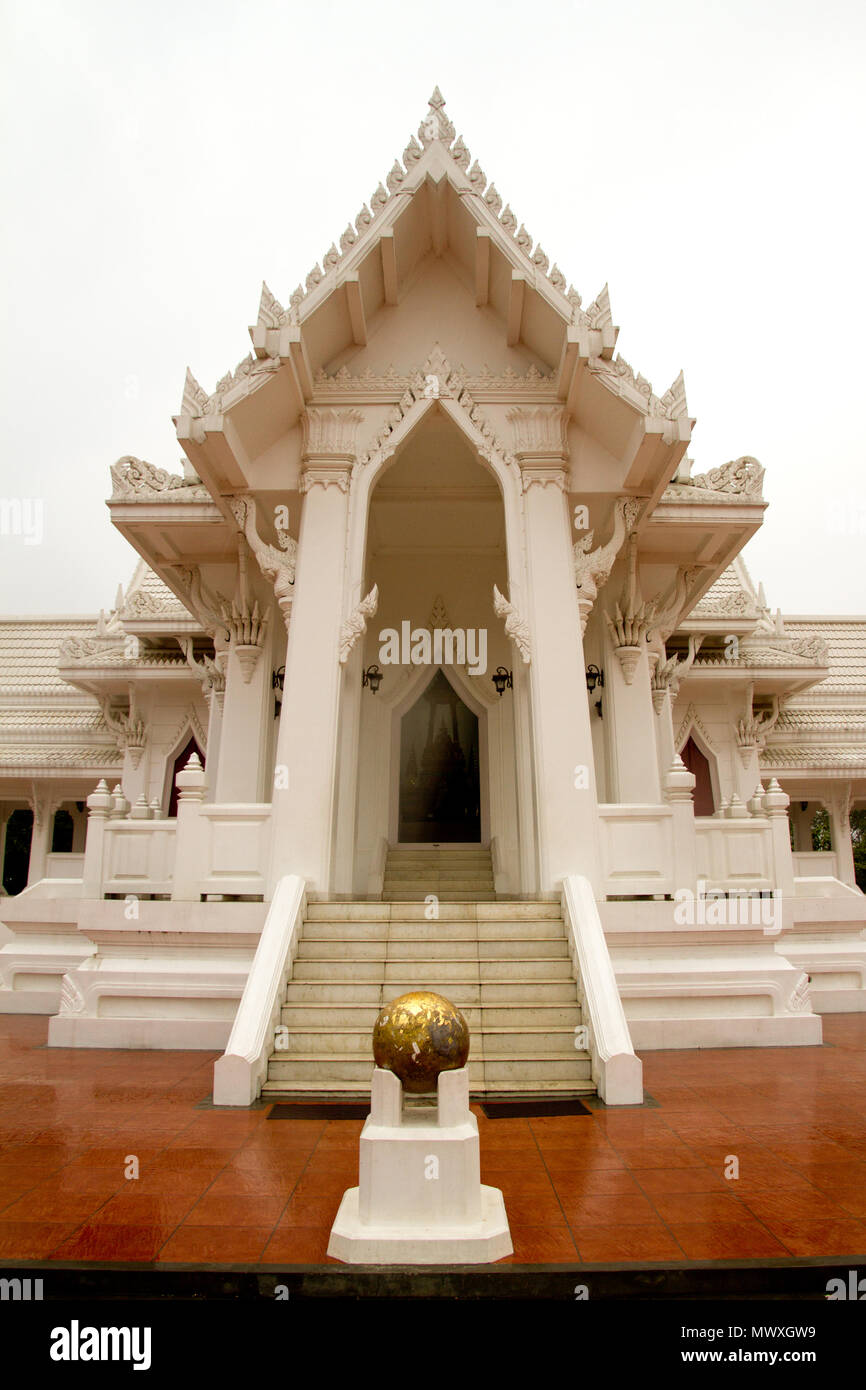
(802, 822)
(305, 768)
(566, 799)
(215, 699)
(747, 770)
(663, 707)
(349, 742)
(839, 811)
(4, 822)
(44, 807)
(631, 723)
(242, 739)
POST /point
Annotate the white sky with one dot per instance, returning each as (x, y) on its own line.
(161, 159)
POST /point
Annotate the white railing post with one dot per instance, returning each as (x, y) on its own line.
(776, 803)
(679, 784)
(99, 807)
(189, 859)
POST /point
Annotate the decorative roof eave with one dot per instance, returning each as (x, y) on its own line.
(633, 389)
(158, 668)
(797, 737)
(386, 388)
(813, 761)
(737, 624)
(588, 334)
(168, 625)
(37, 697)
(767, 679)
(60, 762)
(438, 154)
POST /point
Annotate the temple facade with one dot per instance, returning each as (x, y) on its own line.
(440, 665)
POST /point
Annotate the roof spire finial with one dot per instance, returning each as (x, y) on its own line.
(436, 125)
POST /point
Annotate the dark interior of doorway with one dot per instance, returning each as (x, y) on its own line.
(440, 787)
(697, 764)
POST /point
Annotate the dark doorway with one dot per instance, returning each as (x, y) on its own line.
(699, 767)
(16, 859)
(63, 833)
(440, 786)
(180, 763)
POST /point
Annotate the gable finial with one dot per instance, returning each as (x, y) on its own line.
(436, 125)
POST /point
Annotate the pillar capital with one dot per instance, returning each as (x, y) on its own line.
(541, 445)
(329, 436)
(324, 474)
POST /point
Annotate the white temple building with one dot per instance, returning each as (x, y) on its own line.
(440, 666)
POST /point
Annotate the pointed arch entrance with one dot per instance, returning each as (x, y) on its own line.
(434, 528)
(439, 797)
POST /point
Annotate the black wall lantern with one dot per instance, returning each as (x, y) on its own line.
(277, 680)
(502, 679)
(372, 677)
(595, 677)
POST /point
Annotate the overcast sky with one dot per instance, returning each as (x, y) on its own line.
(161, 159)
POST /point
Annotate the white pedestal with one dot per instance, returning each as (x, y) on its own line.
(420, 1199)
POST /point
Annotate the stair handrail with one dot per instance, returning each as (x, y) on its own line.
(616, 1070)
(241, 1071)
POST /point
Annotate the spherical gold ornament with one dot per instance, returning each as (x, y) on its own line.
(419, 1035)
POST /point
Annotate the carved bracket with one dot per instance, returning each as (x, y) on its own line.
(516, 628)
(356, 624)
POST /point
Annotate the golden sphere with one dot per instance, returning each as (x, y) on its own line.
(419, 1035)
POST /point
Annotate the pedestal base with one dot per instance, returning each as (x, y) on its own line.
(420, 1199)
(430, 1245)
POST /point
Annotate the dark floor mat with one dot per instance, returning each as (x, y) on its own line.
(532, 1109)
(321, 1110)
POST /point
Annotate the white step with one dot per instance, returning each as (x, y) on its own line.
(504, 964)
(362, 1014)
(360, 1089)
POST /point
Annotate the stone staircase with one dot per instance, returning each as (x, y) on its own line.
(505, 965)
(454, 873)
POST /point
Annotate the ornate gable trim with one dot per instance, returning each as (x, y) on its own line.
(692, 720)
(402, 181)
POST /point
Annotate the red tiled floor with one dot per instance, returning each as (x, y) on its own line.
(32, 1240)
(604, 1244)
(654, 1180)
(309, 1211)
(638, 1186)
(517, 1179)
(542, 1245)
(535, 1208)
(676, 1208)
(244, 1182)
(589, 1182)
(215, 1244)
(111, 1241)
(51, 1206)
(722, 1241)
(139, 1209)
(822, 1237)
(794, 1206)
(298, 1245)
(260, 1210)
(660, 1156)
(607, 1211)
